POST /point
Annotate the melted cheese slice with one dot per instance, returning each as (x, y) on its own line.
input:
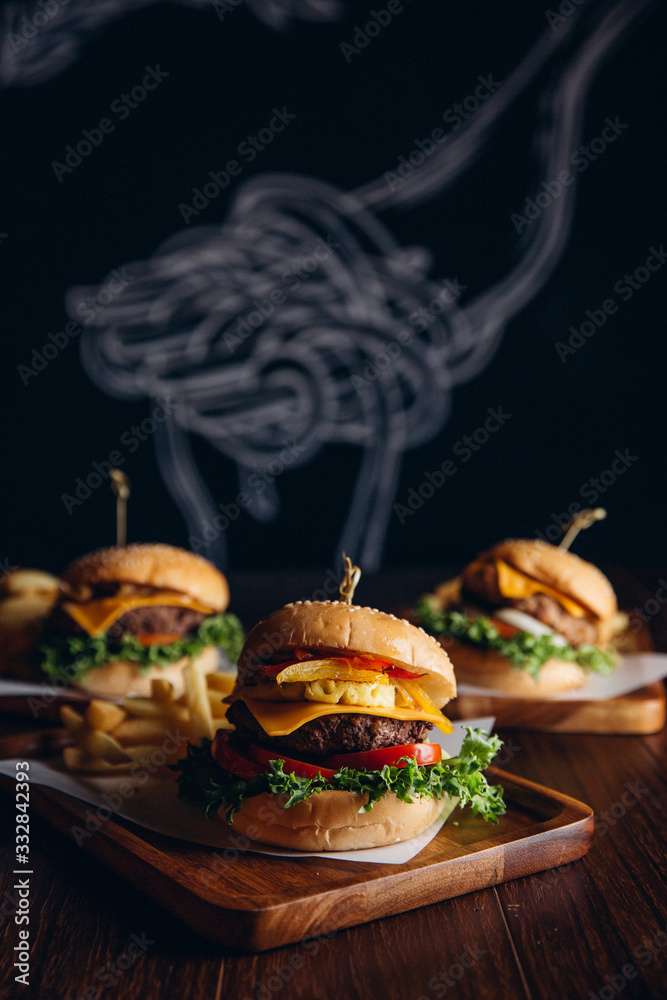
(97, 616)
(280, 718)
(512, 583)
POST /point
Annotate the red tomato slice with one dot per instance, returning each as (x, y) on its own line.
(290, 766)
(158, 638)
(374, 760)
(402, 674)
(233, 760)
(505, 630)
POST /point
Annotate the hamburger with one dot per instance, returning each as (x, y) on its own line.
(332, 709)
(130, 613)
(525, 617)
(27, 597)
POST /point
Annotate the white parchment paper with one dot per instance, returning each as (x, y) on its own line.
(636, 670)
(152, 802)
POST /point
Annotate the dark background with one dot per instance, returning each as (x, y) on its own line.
(567, 419)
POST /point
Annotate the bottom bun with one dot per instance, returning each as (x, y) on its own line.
(487, 668)
(331, 821)
(124, 678)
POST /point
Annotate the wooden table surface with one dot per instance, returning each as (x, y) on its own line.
(594, 928)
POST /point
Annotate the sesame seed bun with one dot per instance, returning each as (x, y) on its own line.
(331, 821)
(334, 628)
(564, 572)
(164, 567)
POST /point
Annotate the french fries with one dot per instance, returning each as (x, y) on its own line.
(222, 681)
(104, 715)
(110, 738)
(196, 696)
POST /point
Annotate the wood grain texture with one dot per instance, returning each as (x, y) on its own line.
(640, 712)
(256, 902)
(564, 933)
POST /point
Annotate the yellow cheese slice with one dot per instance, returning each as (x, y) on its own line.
(97, 616)
(512, 583)
(280, 718)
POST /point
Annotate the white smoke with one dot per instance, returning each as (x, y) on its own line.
(315, 369)
(41, 38)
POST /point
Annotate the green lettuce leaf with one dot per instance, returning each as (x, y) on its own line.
(202, 781)
(524, 650)
(72, 656)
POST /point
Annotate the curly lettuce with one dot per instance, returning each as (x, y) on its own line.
(202, 781)
(73, 656)
(524, 650)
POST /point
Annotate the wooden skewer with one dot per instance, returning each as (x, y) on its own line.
(120, 484)
(350, 580)
(584, 519)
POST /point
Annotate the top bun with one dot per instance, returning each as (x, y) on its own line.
(557, 568)
(334, 628)
(164, 567)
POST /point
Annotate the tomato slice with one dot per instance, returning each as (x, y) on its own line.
(232, 760)
(374, 760)
(401, 674)
(290, 766)
(158, 638)
(505, 630)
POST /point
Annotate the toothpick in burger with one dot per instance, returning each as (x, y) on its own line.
(333, 706)
(130, 613)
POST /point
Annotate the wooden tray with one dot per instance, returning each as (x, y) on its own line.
(255, 902)
(638, 713)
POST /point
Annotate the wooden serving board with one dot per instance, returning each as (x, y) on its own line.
(255, 902)
(638, 713)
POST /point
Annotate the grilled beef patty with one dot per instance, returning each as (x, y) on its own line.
(330, 734)
(550, 612)
(483, 583)
(157, 618)
(139, 621)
